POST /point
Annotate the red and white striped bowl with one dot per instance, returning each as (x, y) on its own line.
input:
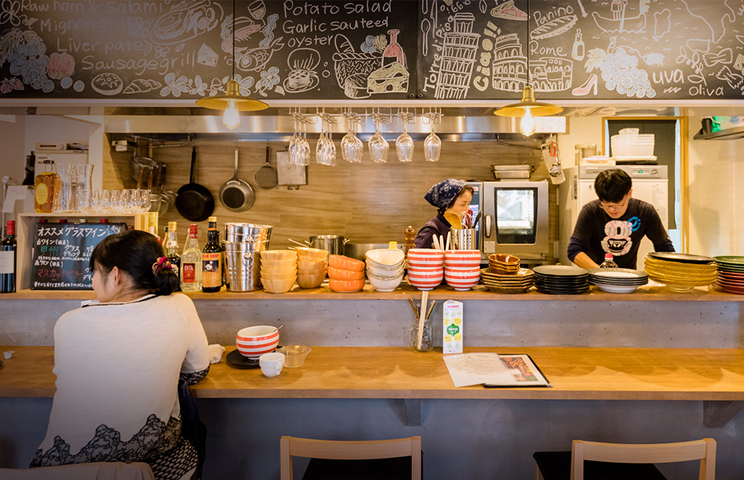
(426, 270)
(462, 258)
(252, 342)
(425, 284)
(462, 272)
(425, 257)
(462, 284)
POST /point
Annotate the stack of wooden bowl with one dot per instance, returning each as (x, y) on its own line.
(311, 266)
(503, 264)
(278, 270)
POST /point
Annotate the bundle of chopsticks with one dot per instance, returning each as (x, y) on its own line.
(422, 314)
(438, 242)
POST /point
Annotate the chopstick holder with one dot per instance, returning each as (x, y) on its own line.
(422, 318)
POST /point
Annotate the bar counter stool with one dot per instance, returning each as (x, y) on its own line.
(615, 461)
(337, 460)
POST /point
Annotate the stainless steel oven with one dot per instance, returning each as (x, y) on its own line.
(514, 220)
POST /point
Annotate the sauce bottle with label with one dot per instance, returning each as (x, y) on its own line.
(212, 260)
(191, 259)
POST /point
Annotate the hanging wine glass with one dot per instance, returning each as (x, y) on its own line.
(320, 147)
(295, 147)
(305, 146)
(404, 143)
(378, 146)
(351, 147)
(432, 147)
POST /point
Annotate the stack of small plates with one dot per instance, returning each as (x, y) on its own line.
(561, 279)
(681, 272)
(617, 280)
(519, 282)
(731, 274)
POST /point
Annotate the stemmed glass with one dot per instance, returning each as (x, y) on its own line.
(404, 143)
(295, 147)
(351, 147)
(305, 146)
(320, 147)
(378, 146)
(432, 147)
(325, 150)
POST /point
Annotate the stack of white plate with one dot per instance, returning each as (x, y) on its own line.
(632, 146)
(617, 280)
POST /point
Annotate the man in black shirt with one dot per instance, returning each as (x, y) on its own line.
(615, 223)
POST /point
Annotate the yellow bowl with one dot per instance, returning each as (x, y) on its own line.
(272, 255)
(288, 263)
(312, 254)
(310, 281)
(278, 285)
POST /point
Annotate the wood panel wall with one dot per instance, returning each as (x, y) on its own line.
(366, 202)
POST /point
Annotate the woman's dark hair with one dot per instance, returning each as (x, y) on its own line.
(612, 185)
(466, 188)
(135, 252)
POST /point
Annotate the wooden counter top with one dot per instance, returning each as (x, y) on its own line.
(643, 294)
(402, 373)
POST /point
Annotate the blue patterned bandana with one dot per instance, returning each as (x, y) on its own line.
(442, 194)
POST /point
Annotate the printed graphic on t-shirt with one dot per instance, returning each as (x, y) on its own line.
(617, 237)
(635, 223)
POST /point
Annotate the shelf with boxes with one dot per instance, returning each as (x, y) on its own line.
(62, 230)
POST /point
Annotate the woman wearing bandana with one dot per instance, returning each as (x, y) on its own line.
(118, 363)
(449, 196)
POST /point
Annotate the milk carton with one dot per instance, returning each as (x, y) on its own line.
(452, 336)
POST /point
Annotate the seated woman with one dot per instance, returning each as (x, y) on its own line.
(118, 364)
(449, 196)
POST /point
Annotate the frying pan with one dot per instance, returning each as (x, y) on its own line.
(194, 201)
(265, 176)
(236, 194)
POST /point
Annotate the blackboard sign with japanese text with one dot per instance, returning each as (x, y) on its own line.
(62, 253)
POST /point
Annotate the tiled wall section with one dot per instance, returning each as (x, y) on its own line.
(716, 191)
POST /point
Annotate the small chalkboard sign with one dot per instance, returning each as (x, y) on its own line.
(62, 252)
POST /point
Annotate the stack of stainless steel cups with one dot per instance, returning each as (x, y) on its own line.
(243, 242)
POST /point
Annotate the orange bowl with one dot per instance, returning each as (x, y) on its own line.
(339, 274)
(345, 285)
(345, 263)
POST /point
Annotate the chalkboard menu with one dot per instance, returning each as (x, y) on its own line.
(62, 253)
(167, 49)
(582, 49)
(373, 49)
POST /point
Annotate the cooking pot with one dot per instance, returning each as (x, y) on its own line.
(358, 250)
(334, 244)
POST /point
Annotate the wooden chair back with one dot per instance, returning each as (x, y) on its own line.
(703, 450)
(349, 450)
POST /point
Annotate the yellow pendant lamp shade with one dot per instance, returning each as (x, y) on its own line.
(537, 109)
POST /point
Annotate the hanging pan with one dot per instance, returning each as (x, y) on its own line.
(194, 201)
(266, 176)
(236, 194)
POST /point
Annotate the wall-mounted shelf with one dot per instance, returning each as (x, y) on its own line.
(727, 134)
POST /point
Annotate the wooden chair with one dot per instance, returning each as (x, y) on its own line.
(360, 457)
(624, 461)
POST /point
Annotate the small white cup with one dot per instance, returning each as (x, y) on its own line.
(271, 363)
(10, 353)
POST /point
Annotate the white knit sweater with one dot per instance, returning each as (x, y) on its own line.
(117, 367)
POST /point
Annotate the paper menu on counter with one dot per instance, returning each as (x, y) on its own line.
(494, 370)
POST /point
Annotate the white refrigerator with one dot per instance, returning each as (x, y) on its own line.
(650, 184)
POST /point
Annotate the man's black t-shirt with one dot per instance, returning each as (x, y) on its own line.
(596, 233)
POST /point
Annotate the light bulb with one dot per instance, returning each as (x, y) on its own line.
(231, 118)
(527, 126)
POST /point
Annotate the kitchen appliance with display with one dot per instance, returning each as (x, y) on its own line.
(650, 184)
(514, 219)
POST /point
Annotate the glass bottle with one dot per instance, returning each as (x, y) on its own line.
(393, 53)
(171, 245)
(212, 260)
(30, 169)
(45, 184)
(608, 262)
(8, 259)
(191, 258)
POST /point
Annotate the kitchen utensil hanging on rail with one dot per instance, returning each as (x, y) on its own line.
(236, 194)
(266, 176)
(194, 201)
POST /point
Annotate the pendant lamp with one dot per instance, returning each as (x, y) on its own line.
(232, 102)
(528, 108)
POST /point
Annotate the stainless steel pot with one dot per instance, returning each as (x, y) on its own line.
(243, 264)
(358, 250)
(334, 244)
(247, 232)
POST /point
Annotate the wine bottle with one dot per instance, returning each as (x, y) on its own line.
(8, 259)
(212, 260)
(171, 245)
(191, 259)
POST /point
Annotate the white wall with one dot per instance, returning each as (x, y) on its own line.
(12, 153)
(716, 190)
(581, 130)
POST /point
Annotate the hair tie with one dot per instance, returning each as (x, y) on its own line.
(163, 264)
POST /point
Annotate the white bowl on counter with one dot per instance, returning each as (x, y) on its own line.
(385, 285)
